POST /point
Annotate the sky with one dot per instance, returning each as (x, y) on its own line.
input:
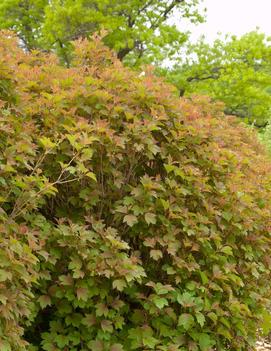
(233, 16)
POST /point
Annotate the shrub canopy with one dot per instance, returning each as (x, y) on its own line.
(130, 219)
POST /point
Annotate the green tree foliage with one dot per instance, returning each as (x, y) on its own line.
(137, 29)
(265, 136)
(26, 18)
(236, 71)
(130, 219)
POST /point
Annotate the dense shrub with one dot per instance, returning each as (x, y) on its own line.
(130, 219)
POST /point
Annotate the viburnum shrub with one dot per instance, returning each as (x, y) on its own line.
(130, 219)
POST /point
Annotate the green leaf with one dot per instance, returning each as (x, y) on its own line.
(225, 322)
(200, 318)
(160, 302)
(186, 321)
(116, 347)
(165, 204)
(5, 345)
(47, 143)
(227, 250)
(101, 310)
(156, 254)
(221, 330)
(5, 275)
(96, 345)
(89, 320)
(61, 341)
(119, 284)
(66, 280)
(130, 220)
(150, 218)
(106, 326)
(44, 301)
(227, 216)
(213, 316)
(205, 342)
(3, 299)
(91, 175)
(48, 346)
(204, 277)
(82, 294)
(186, 299)
(150, 342)
(266, 324)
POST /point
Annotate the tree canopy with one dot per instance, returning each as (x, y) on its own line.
(137, 29)
(236, 71)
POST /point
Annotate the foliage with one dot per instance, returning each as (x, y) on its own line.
(130, 219)
(265, 136)
(25, 17)
(137, 29)
(236, 71)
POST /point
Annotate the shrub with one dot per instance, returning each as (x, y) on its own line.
(130, 219)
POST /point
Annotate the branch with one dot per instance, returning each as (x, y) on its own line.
(63, 51)
(18, 208)
(198, 78)
(215, 74)
(160, 18)
(181, 92)
(123, 52)
(163, 16)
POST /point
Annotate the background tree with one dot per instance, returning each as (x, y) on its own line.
(26, 18)
(236, 71)
(137, 29)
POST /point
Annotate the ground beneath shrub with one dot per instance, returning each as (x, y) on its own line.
(263, 345)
